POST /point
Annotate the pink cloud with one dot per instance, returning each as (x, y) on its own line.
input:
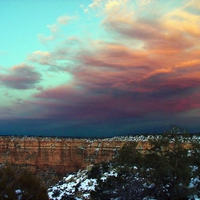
(144, 66)
(20, 77)
(113, 81)
(67, 94)
(108, 96)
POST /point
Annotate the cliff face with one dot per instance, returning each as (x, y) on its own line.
(61, 155)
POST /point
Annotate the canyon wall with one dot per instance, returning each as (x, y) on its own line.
(60, 155)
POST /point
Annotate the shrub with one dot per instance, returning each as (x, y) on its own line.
(25, 185)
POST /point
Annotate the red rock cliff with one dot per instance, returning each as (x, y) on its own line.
(61, 155)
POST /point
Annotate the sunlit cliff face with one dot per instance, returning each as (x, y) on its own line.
(99, 67)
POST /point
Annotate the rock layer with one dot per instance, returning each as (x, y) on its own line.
(61, 155)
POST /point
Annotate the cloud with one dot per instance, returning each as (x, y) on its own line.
(184, 21)
(138, 29)
(195, 4)
(144, 2)
(41, 57)
(20, 77)
(113, 55)
(190, 63)
(142, 68)
(108, 7)
(77, 106)
(166, 34)
(95, 3)
(58, 59)
(64, 19)
(56, 28)
(103, 102)
(61, 93)
(106, 88)
(153, 35)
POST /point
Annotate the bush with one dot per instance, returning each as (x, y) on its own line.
(25, 185)
(7, 183)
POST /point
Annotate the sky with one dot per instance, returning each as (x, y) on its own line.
(99, 68)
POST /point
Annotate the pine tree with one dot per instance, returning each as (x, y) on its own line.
(168, 165)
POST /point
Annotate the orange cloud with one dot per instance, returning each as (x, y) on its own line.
(190, 63)
(183, 21)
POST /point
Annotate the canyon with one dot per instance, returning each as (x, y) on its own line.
(62, 155)
(65, 155)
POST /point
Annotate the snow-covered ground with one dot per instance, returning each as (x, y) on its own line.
(140, 137)
(74, 183)
(78, 186)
